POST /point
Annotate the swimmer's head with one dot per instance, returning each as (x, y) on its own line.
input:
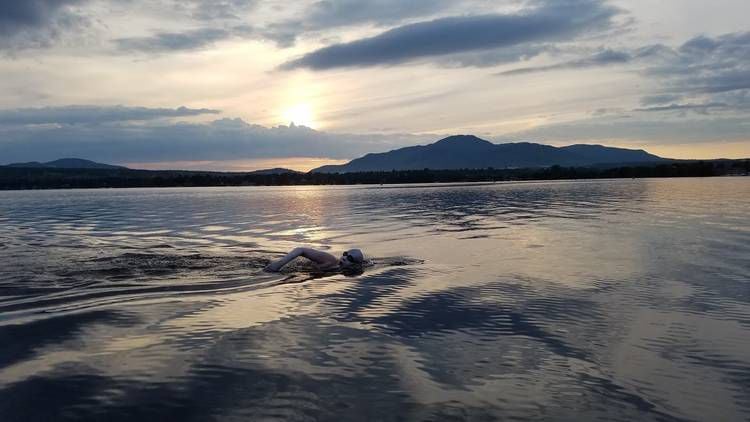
(352, 257)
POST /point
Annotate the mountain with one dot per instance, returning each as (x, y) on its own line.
(278, 170)
(470, 152)
(66, 163)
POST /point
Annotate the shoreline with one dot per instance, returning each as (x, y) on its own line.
(51, 178)
(405, 185)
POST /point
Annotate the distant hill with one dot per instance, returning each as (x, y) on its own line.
(66, 163)
(277, 170)
(471, 152)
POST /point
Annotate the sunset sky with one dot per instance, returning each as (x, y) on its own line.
(199, 84)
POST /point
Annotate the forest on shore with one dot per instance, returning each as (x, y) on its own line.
(51, 178)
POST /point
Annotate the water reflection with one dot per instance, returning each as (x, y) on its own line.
(608, 300)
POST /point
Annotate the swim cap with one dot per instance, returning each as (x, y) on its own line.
(356, 255)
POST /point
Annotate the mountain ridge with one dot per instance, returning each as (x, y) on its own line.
(82, 164)
(472, 152)
(66, 163)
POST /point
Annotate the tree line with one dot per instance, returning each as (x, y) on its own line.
(50, 178)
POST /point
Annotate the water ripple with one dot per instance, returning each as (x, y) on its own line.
(592, 300)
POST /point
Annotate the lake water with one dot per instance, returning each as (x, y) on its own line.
(573, 301)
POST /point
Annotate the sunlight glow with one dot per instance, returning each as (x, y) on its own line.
(300, 115)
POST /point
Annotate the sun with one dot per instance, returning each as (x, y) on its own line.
(300, 115)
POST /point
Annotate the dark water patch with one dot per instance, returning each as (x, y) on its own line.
(212, 390)
(371, 290)
(21, 342)
(448, 311)
(562, 310)
(52, 398)
(614, 395)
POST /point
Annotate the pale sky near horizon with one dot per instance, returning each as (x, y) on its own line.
(199, 84)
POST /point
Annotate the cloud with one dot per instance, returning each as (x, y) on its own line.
(709, 73)
(707, 65)
(35, 23)
(713, 73)
(603, 58)
(212, 10)
(642, 129)
(69, 115)
(220, 20)
(19, 15)
(225, 139)
(334, 13)
(494, 57)
(330, 14)
(660, 99)
(210, 21)
(698, 108)
(551, 21)
(180, 41)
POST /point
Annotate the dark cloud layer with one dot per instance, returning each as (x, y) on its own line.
(226, 139)
(553, 21)
(69, 115)
(16, 15)
(35, 23)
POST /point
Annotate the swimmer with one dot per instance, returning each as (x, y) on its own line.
(322, 260)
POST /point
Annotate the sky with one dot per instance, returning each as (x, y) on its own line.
(247, 84)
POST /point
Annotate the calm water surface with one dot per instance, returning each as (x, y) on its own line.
(593, 300)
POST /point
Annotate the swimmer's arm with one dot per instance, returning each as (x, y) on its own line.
(322, 259)
(277, 265)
